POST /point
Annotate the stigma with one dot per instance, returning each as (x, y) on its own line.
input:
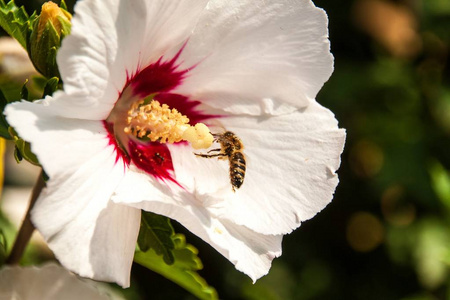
(148, 119)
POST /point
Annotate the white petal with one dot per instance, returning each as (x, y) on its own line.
(257, 56)
(291, 169)
(49, 282)
(290, 176)
(110, 41)
(251, 252)
(61, 144)
(97, 240)
(201, 176)
(85, 60)
(148, 30)
(89, 236)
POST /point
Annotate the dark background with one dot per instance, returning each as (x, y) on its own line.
(386, 235)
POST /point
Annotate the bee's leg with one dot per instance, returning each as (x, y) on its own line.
(210, 155)
(213, 150)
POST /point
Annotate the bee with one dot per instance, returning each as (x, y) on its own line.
(231, 148)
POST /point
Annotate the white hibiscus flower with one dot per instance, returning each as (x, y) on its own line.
(50, 282)
(252, 67)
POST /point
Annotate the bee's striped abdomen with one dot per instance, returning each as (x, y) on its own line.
(237, 169)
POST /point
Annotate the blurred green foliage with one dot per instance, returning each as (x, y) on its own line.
(386, 235)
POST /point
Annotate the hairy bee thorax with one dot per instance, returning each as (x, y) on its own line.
(160, 123)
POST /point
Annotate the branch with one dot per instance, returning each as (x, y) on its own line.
(27, 228)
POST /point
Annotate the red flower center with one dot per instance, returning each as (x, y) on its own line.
(158, 79)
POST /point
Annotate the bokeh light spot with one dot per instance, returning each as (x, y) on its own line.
(395, 209)
(366, 158)
(392, 25)
(364, 232)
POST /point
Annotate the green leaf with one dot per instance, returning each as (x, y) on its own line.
(63, 5)
(24, 92)
(183, 271)
(3, 248)
(51, 86)
(2, 165)
(156, 233)
(15, 21)
(23, 149)
(17, 155)
(440, 180)
(3, 124)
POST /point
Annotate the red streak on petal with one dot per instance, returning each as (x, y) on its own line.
(185, 106)
(154, 159)
(159, 77)
(120, 153)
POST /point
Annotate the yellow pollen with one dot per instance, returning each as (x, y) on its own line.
(161, 124)
(199, 136)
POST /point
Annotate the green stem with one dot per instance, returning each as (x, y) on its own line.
(27, 228)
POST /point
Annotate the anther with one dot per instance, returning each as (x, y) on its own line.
(161, 124)
(157, 122)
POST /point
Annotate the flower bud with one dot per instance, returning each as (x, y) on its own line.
(48, 31)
